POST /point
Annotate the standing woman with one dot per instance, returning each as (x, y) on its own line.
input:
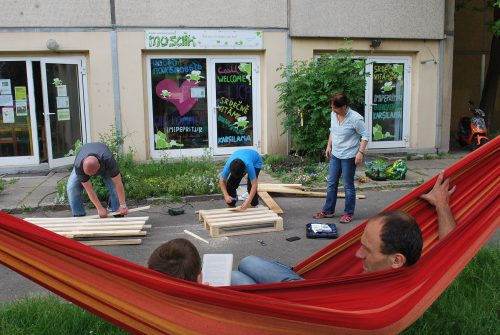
(346, 148)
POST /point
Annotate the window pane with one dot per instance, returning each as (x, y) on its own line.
(388, 95)
(233, 85)
(180, 118)
(15, 126)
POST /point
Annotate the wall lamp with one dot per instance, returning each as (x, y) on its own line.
(52, 44)
(375, 43)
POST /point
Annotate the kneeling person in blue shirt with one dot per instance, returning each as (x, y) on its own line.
(241, 162)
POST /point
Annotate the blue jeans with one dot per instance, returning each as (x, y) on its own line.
(345, 168)
(258, 270)
(75, 194)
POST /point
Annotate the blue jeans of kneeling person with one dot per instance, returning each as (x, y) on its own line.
(345, 168)
(258, 270)
(75, 194)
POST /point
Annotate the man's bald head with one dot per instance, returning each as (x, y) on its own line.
(91, 165)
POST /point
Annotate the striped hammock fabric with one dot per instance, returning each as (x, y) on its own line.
(336, 298)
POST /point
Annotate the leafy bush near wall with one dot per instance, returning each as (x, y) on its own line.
(304, 96)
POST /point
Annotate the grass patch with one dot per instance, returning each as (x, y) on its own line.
(163, 179)
(50, 315)
(469, 305)
(4, 183)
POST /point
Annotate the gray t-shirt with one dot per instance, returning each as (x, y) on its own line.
(108, 165)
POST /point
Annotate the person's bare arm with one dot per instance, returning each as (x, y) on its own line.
(253, 193)
(328, 151)
(439, 197)
(361, 152)
(223, 188)
(94, 199)
(120, 191)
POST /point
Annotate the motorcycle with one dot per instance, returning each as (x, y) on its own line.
(472, 131)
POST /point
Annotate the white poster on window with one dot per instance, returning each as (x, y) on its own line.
(62, 91)
(21, 108)
(5, 87)
(8, 115)
(6, 100)
(63, 114)
(62, 102)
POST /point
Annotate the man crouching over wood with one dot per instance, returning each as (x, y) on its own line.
(241, 162)
(95, 159)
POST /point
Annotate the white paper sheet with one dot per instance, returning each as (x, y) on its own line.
(217, 269)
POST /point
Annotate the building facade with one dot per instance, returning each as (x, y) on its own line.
(187, 78)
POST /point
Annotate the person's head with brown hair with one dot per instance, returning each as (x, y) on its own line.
(339, 103)
(178, 258)
(392, 239)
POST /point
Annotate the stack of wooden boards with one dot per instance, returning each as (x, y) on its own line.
(232, 221)
(90, 230)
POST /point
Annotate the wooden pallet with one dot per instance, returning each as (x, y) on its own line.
(230, 222)
(90, 228)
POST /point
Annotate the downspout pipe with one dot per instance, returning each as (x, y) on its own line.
(115, 73)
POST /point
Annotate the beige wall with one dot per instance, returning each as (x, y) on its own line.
(55, 13)
(205, 14)
(360, 18)
(424, 78)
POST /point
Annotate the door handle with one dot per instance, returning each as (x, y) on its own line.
(49, 113)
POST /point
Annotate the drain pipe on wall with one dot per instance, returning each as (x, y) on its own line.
(115, 73)
(440, 90)
(288, 62)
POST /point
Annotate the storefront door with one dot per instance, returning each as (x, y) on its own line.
(387, 101)
(202, 104)
(64, 107)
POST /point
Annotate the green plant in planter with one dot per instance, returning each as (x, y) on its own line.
(304, 96)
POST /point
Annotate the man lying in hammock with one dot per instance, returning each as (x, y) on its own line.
(391, 239)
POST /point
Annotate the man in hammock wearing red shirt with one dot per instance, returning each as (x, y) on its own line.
(391, 240)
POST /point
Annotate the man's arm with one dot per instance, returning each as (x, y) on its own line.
(95, 200)
(253, 193)
(120, 191)
(439, 197)
(223, 187)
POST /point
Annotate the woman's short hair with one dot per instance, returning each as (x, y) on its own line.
(339, 99)
(178, 258)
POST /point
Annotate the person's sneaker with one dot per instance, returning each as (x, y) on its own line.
(322, 215)
(346, 218)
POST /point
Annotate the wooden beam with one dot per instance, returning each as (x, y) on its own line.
(269, 201)
(86, 219)
(112, 242)
(88, 224)
(76, 234)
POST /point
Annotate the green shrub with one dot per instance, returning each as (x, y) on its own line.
(305, 95)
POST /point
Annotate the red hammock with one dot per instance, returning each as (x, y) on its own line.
(336, 298)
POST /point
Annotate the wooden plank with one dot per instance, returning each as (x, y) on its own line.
(236, 214)
(76, 234)
(130, 210)
(112, 242)
(86, 219)
(295, 186)
(244, 222)
(305, 193)
(271, 215)
(236, 229)
(100, 228)
(269, 201)
(88, 224)
(203, 212)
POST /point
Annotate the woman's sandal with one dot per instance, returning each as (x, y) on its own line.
(346, 218)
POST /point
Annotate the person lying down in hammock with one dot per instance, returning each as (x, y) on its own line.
(391, 240)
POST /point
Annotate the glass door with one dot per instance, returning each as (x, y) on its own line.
(64, 112)
(388, 101)
(236, 109)
(18, 131)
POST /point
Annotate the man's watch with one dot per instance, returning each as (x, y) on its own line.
(123, 205)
